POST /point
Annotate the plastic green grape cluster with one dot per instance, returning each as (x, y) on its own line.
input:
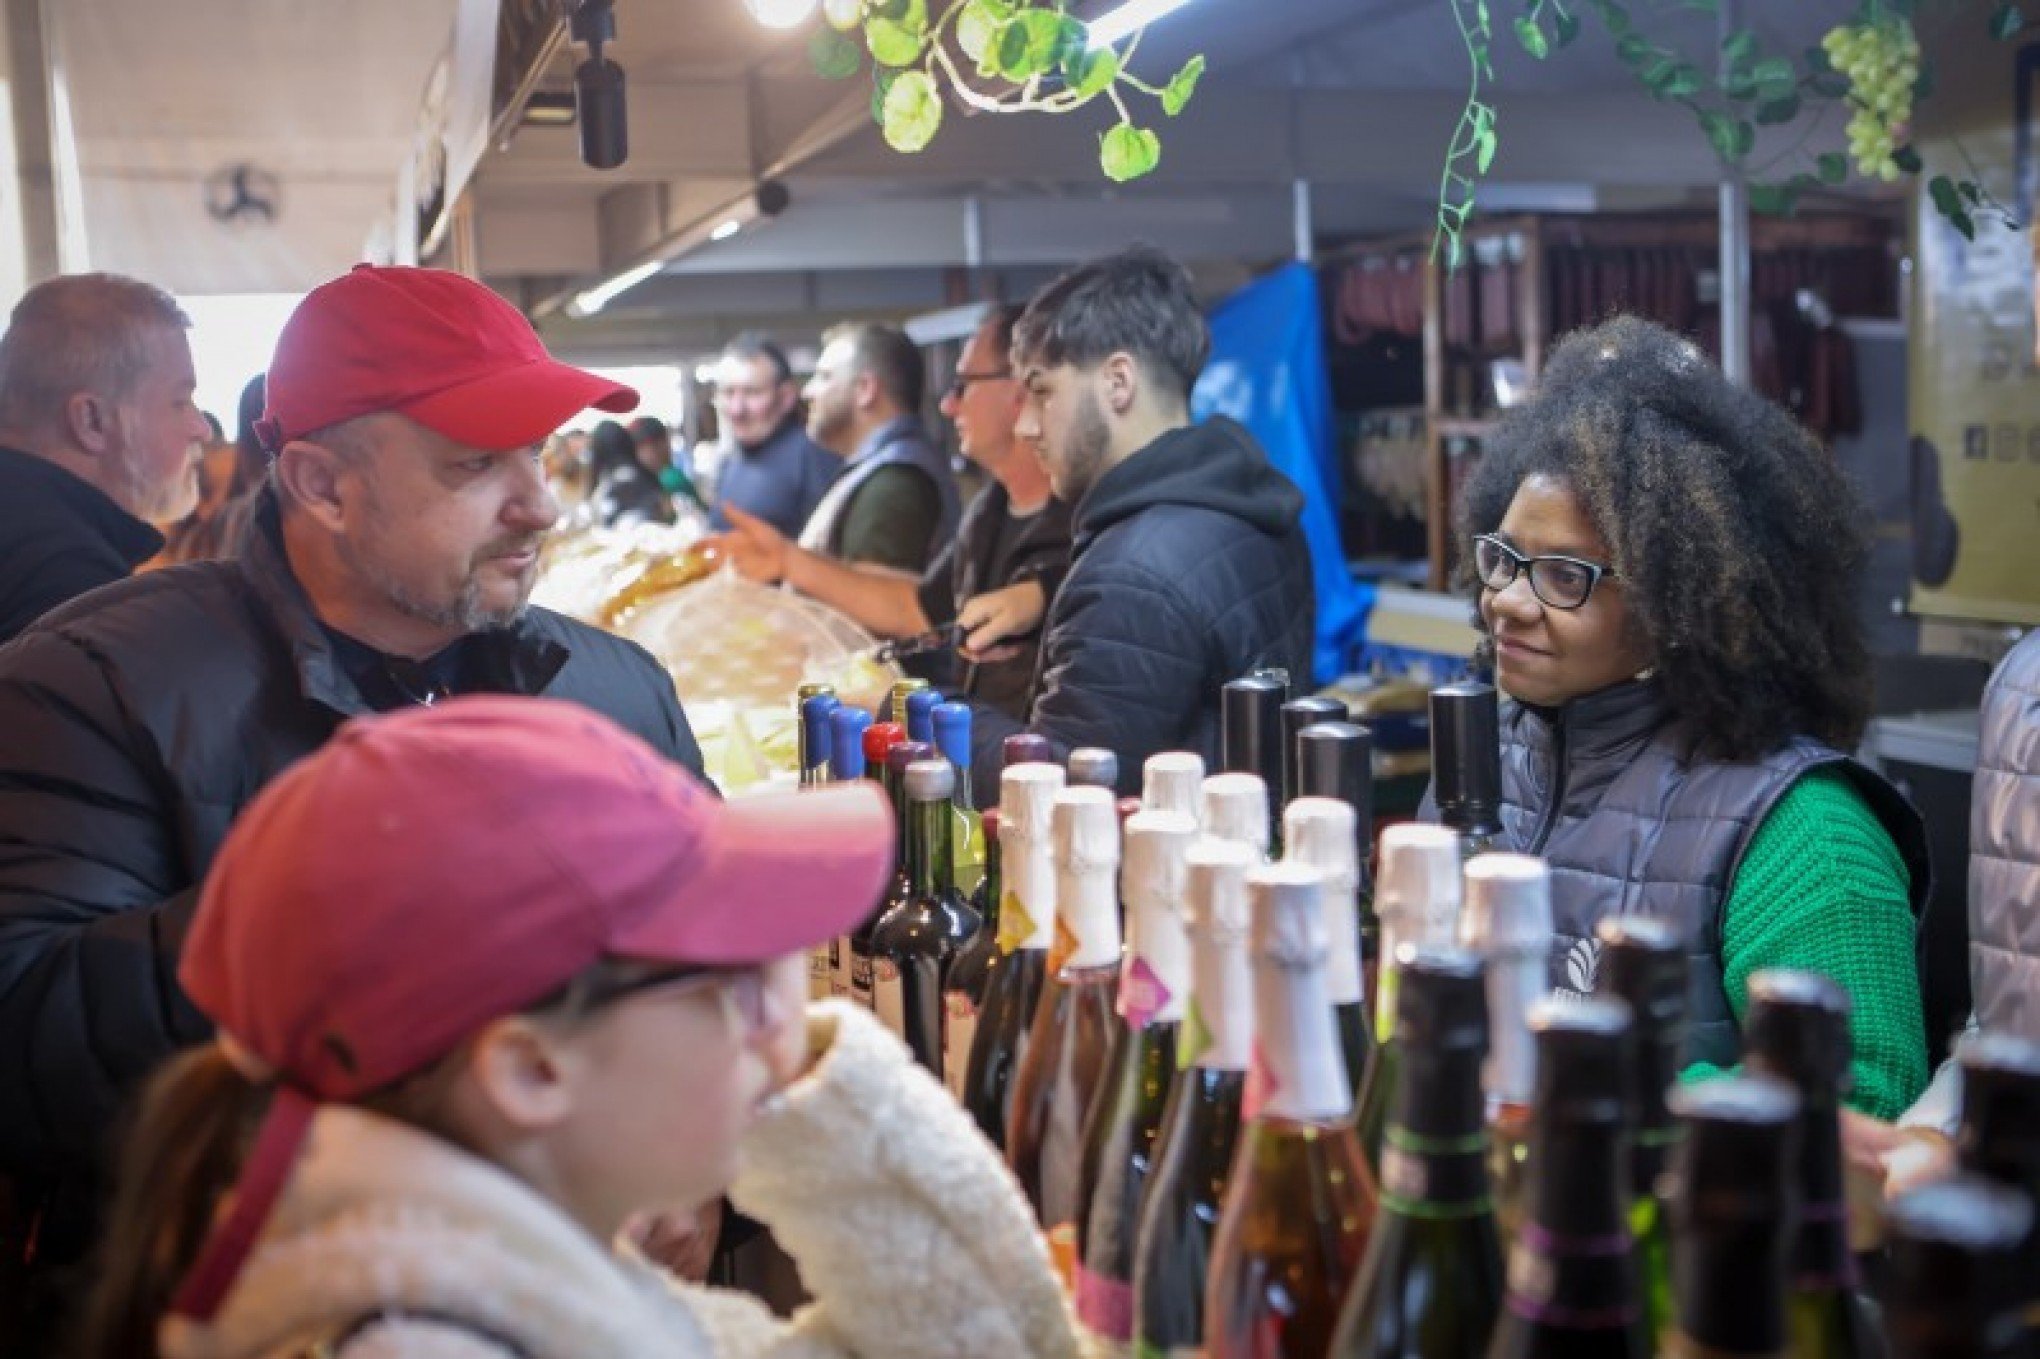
(1882, 63)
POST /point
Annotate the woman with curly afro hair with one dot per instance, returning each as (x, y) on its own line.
(1665, 567)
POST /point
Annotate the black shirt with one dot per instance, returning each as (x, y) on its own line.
(389, 682)
(59, 537)
(994, 548)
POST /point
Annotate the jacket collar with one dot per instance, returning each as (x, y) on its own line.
(130, 539)
(1600, 725)
(899, 429)
(518, 659)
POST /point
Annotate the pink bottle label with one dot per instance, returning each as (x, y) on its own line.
(1261, 1083)
(1104, 1306)
(1142, 994)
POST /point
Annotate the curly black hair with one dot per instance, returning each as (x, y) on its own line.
(1737, 537)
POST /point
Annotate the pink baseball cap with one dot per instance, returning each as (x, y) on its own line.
(433, 345)
(430, 870)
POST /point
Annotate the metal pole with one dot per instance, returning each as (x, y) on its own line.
(973, 234)
(1735, 243)
(1300, 214)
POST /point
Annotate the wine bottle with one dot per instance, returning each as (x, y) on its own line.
(1571, 1290)
(880, 740)
(896, 704)
(1999, 1138)
(1431, 1284)
(1236, 808)
(1733, 1205)
(952, 725)
(1507, 921)
(1301, 1203)
(1418, 903)
(1074, 1022)
(1173, 781)
(1336, 759)
(1297, 714)
(1119, 1143)
(1796, 1028)
(1250, 737)
(1025, 747)
(1319, 833)
(971, 974)
(1093, 767)
(1953, 1245)
(916, 941)
(1201, 1124)
(920, 718)
(816, 704)
(1013, 989)
(1466, 763)
(1643, 965)
(846, 763)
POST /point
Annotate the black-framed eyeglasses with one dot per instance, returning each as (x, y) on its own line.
(743, 984)
(1559, 582)
(960, 384)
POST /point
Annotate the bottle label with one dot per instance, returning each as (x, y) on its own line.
(1063, 949)
(821, 971)
(839, 967)
(889, 996)
(860, 976)
(1143, 995)
(1595, 1299)
(959, 1026)
(1016, 927)
(1104, 1310)
(1434, 1178)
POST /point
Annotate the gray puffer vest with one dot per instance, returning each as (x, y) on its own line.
(1630, 826)
(2004, 849)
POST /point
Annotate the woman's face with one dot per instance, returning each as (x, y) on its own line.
(1548, 656)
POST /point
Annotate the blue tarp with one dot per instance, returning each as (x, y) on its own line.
(1267, 371)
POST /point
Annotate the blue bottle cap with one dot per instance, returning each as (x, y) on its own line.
(921, 705)
(815, 728)
(952, 733)
(846, 743)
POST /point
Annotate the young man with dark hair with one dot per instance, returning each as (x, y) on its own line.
(1188, 566)
(770, 467)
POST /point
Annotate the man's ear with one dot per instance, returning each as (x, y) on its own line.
(864, 390)
(92, 423)
(523, 1073)
(309, 477)
(1119, 380)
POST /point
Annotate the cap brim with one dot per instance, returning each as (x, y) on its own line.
(778, 874)
(519, 406)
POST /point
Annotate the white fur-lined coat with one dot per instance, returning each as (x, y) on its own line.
(908, 1231)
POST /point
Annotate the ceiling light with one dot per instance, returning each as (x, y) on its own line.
(780, 13)
(726, 229)
(1122, 22)
(549, 108)
(602, 294)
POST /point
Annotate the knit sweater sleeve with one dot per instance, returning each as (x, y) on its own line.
(1823, 889)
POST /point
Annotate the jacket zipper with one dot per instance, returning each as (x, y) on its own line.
(1559, 759)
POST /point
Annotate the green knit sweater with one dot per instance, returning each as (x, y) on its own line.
(1823, 889)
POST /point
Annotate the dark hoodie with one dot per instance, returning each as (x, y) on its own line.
(1188, 569)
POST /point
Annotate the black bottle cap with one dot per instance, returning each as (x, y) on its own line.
(1466, 749)
(1797, 1028)
(1643, 965)
(1250, 713)
(1954, 1248)
(1297, 714)
(1025, 748)
(1093, 766)
(2000, 1132)
(1441, 1000)
(1738, 1163)
(1583, 1049)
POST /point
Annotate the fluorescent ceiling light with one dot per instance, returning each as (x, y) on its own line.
(780, 13)
(602, 294)
(1124, 21)
(726, 229)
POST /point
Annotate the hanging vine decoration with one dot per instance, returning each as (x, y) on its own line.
(994, 56)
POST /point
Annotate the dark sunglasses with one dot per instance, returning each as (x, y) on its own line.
(1559, 582)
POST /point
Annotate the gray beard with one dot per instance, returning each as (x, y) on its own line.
(464, 612)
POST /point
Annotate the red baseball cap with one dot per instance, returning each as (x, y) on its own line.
(433, 345)
(433, 869)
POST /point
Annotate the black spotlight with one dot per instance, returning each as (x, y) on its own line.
(598, 88)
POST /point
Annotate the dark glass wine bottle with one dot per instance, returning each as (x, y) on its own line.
(1999, 1138)
(1301, 1203)
(1236, 809)
(1734, 1200)
(1506, 919)
(1297, 715)
(1319, 834)
(916, 941)
(1093, 767)
(1250, 739)
(1466, 763)
(971, 974)
(1013, 988)
(1119, 1143)
(846, 763)
(1073, 1025)
(1572, 1287)
(1336, 759)
(896, 703)
(817, 704)
(880, 740)
(1173, 781)
(1201, 1125)
(1953, 1247)
(920, 718)
(1796, 1028)
(951, 723)
(1418, 902)
(1643, 965)
(1431, 1285)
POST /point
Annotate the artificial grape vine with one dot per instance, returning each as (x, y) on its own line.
(1881, 61)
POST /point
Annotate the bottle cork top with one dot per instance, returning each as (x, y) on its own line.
(930, 781)
(1173, 781)
(1507, 906)
(1236, 808)
(1420, 876)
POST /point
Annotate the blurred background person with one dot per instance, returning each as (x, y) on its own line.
(229, 476)
(622, 492)
(768, 466)
(655, 450)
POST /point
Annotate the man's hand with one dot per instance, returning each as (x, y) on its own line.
(758, 550)
(991, 618)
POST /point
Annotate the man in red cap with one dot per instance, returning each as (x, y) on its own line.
(391, 558)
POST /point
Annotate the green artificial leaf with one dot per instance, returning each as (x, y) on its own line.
(1969, 190)
(1176, 94)
(1128, 152)
(1923, 87)
(1091, 72)
(1828, 85)
(833, 56)
(889, 9)
(1774, 200)
(978, 26)
(1942, 190)
(1659, 73)
(1963, 223)
(1834, 167)
(2005, 21)
(1566, 27)
(1907, 159)
(1775, 111)
(1532, 38)
(1484, 143)
(882, 78)
(1684, 82)
(1731, 137)
(1815, 60)
(1614, 17)
(1738, 47)
(912, 113)
(1635, 50)
(1030, 44)
(1774, 78)
(893, 42)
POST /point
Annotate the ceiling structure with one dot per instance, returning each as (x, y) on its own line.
(1355, 98)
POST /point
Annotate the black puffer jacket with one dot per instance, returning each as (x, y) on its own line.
(1188, 569)
(134, 723)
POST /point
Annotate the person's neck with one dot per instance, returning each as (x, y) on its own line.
(349, 605)
(868, 424)
(1026, 485)
(1140, 428)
